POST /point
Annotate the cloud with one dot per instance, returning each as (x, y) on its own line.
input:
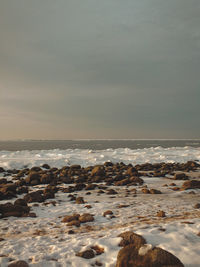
(105, 67)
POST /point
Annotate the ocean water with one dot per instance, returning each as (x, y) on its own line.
(20, 154)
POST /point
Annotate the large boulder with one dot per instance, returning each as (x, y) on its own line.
(145, 256)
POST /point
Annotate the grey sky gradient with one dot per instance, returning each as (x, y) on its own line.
(99, 69)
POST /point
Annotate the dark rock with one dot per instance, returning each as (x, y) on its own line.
(20, 202)
(87, 254)
(91, 186)
(46, 178)
(35, 169)
(111, 192)
(192, 184)
(180, 176)
(34, 197)
(8, 209)
(197, 206)
(18, 264)
(46, 166)
(2, 169)
(3, 181)
(130, 256)
(33, 176)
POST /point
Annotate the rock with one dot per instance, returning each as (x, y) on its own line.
(129, 257)
(98, 250)
(88, 206)
(180, 176)
(111, 192)
(8, 209)
(108, 212)
(192, 184)
(86, 217)
(70, 218)
(132, 171)
(130, 237)
(80, 200)
(75, 167)
(161, 213)
(33, 176)
(87, 254)
(71, 232)
(46, 178)
(122, 182)
(197, 206)
(20, 202)
(98, 171)
(34, 197)
(145, 191)
(46, 166)
(18, 264)
(3, 181)
(74, 223)
(136, 180)
(155, 191)
(91, 186)
(2, 169)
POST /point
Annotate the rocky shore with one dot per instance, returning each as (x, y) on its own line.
(51, 203)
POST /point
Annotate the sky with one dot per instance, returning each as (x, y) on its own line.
(99, 69)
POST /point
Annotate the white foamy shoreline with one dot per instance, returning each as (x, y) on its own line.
(84, 157)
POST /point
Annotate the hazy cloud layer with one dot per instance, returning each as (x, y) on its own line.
(99, 69)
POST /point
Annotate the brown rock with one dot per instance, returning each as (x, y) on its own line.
(145, 191)
(155, 191)
(98, 171)
(192, 184)
(70, 218)
(74, 223)
(131, 238)
(108, 212)
(197, 206)
(86, 217)
(161, 213)
(18, 264)
(129, 256)
(80, 200)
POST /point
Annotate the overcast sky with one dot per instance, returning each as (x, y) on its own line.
(99, 69)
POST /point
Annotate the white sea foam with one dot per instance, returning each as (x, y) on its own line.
(85, 157)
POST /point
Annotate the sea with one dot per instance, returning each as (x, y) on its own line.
(59, 153)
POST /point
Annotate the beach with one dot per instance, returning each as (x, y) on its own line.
(158, 201)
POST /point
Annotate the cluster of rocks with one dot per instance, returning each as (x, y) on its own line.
(136, 253)
(76, 219)
(88, 178)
